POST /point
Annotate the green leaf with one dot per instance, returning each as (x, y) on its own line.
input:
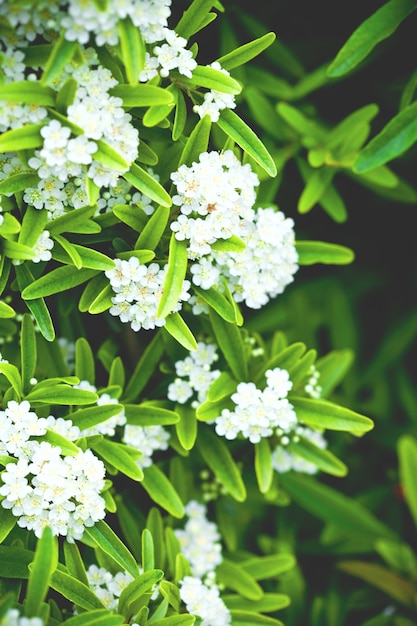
(331, 506)
(72, 221)
(263, 465)
(7, 522)
(6, 311)
(56, 281)
(84, 361)
(192, 17)
(98, 617)
(133, 49)
(332, 369)
(27, 137)
(36, 306)
(28, 92)
(75, 591)
(61, 54)
(130, 215)
(161, 491)
(239, 131)
(373, 30)
(27, 351)
(177, 328)
(94, 415)
(109, 157)
(311, 252)
(153, 230)
(148, 556)
(208, 77)
(224, 385)
(218, 302)
(61, 394)
(407, 459)
(245, 53)
(116, 454)
(70, 255)
(302, 124)
(12, 374)
(158, 113)
(142, 95)
(348, 126)
(382, 578)
(143, 181)
(16, 250)
(217, 456)
(232, 576)
(315, 188)
(66, 95)
(268, 603)
(175, 620)
(229, 339)
(324, 414)
(395, 138)
(43, 566)
(104, 537)
(197, 142)
(180, 117)
(325, 460)
(33, 223)
(174, 278)
(232, 244)
(248, 618)
(19, 182)
(186, 427)
(144, 369)
(137, 588)
(261, 568)
(68, 448)
(74, 562)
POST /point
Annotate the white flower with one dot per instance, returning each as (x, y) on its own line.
(43, 247)
(204, 601)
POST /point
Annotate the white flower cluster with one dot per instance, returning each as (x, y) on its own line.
(259, 413)
(214, 100)
(313, 388)
(200, 540)
(107, 586)
(108, 427)
(44, 487)
(204, 601)
(169, 55)
(138, 291)
(215, 196)
(283, 460)
(43, 247)
(197, 369)
(147, 439)
(12, 617)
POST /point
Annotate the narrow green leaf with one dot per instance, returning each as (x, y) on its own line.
(130, 215)
(61, 54)
(74, 562)
(137, 588)
(186, 427)
(19, 182)
(151, 234)
(177, 328)
(175, 275)
(61, 394)
(197, 142)
(148, 557)
(84, 361)
(210, 78)
(66, 95)
(70, 253)
(75, 591)
(145, 414)
(70, 222)
(175, 620)
(218, 302)
(68, 448)
(27, 351)
(269, 603)
(324, 414)
(316, 186)
(6, 311)
(43, 566)
(12, 374)
(144, 369)
(407, 448)
(143, 181)
(104, 537)
(217, 456)
(333, 368)
(93, 415)
(27, 137)
(311, 252)
(223, 386)
(261, 568)
(192, 17)
(33, 223)
(299, 122)
(109, 157)
(36, 306)
(115, 454)
(56, 281)
(16, 250)
(7, 522)
(249, 618)
(325, 460)
(328, 504)
(142, 95)
(245, 53)
(28, 92)
(373, 30)
(229, 339)
(232, 576)
(161, 491)
(395, 138)
(133, 49)
(263, 465)
(98, 617)
(382, 578)
(180, 117)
